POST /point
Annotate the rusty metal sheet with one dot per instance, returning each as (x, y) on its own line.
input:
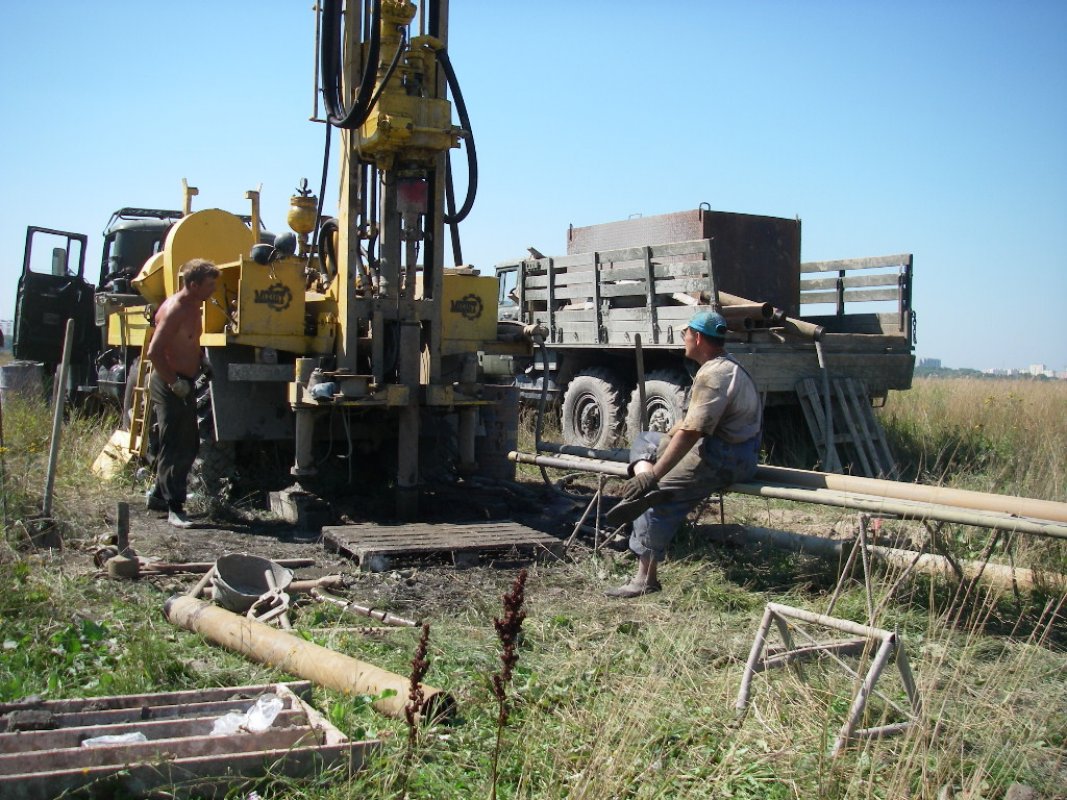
(41, 754)
(756, 257)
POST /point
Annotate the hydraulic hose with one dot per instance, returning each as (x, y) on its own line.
(472, 154)
(322, 194)
(330, 62)
(327, 253)
(450, 212)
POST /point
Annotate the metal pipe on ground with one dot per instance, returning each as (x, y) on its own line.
(999, 576)
(904, 509)
(294, 655)
(961, 498)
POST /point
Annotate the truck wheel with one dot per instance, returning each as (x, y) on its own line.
(593, 410)
(666, 397)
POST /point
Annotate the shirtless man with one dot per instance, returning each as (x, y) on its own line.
(175, 355)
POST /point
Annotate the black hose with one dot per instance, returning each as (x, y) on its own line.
(330, 66)
(472, 155)
(400, 50)
(322, 193)
(327, 252)
(450, 212)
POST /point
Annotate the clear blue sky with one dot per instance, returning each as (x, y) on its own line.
(937, 128)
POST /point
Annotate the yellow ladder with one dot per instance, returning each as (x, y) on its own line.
(141, 406)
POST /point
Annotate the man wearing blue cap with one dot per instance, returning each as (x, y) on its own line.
(715, 445)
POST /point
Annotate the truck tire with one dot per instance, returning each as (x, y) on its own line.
(594, 410)
(666, 398)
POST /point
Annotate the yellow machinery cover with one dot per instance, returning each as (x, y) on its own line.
(468, 312)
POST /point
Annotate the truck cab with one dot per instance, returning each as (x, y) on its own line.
(54, 288)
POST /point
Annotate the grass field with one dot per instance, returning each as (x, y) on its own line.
(627, 699)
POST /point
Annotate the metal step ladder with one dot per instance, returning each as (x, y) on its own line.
(141, 405)
(852, 435)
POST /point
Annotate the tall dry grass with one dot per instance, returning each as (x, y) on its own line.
(80, 500)
(1008, 437)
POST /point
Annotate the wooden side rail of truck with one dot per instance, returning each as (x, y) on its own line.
(595, 305)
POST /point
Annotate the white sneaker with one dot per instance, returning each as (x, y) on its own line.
(179, 519)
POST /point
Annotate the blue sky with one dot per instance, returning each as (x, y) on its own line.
(937, 128)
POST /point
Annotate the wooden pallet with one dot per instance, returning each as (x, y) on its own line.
(380, 547)
(857, 436)
(41, 754)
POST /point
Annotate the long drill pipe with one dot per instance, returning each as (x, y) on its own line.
(289, 653)
(903, 508)
(962, 498)
(997, 575)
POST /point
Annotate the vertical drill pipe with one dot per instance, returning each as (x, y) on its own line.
(58, 401)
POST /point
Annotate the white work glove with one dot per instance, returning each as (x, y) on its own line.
(181, 388)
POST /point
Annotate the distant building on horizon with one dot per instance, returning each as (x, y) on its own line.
(929, 363)
(7, 327)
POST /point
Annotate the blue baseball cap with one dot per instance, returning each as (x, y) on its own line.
(709, 323)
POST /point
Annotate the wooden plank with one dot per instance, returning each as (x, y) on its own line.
(811, 406)
(672, 269)
(855, 434)
(780, 371)
(111, 716)
(850, 282)
(183, 747)
(301, 688)
(665, 314)
(190, 776)
(178, 727)
(370, 543)
(810, 298)
(887, 324)
(873, 262)
(673, 249)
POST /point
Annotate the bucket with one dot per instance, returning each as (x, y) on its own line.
(22, 379)
(240, 580)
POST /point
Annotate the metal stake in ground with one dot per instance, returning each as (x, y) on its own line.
(57, 419)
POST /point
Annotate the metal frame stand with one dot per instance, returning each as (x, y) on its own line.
(890, 649)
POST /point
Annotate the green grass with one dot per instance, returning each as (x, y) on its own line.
(611, 699)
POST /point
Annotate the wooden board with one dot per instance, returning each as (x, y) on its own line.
(180, 753)
(380, 547)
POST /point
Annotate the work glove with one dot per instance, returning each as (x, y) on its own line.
(639, 485)
(181, 388)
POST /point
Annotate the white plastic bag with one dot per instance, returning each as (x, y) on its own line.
(258, 718)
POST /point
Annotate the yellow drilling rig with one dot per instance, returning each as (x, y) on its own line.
(355, 317)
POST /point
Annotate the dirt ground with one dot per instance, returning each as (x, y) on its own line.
(410, 586)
